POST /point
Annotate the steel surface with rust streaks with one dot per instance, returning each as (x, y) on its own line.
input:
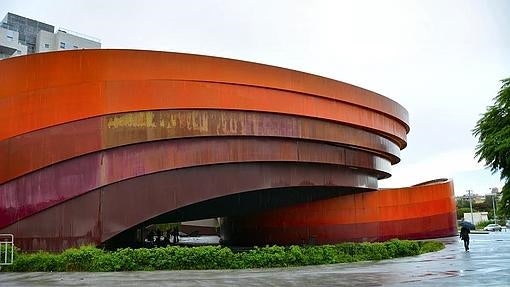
(82, 174)
(417, 212)
(100, 214)
(38, 71)
(31, 151)
(95, 142)
(99, 98)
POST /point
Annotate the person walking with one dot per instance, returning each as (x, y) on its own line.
(464, 236)
(175, 234)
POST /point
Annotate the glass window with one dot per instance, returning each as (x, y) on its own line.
(62, 45)
(46, 46)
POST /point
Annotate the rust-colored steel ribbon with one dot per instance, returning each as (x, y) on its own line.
(96, 142)
(28, 152)
(418, 212)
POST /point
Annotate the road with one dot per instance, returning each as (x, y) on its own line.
(487, 264)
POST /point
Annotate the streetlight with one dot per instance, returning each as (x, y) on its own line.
(494, 192)
(471, 206)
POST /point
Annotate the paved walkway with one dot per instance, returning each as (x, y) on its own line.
(487, 264)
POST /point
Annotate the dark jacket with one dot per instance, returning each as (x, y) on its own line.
(464, 233)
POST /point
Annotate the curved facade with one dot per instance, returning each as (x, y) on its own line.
(96, 142)
(417, 212)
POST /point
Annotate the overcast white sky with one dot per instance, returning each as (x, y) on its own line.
(441, 59)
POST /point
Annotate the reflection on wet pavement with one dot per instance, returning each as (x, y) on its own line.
(487, 264)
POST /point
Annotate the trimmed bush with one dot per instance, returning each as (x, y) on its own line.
(430, 246)
(483, 223)
(88, 258)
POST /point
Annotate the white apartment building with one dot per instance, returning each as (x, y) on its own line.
(9, 44)
(63, 40)
(20, 36)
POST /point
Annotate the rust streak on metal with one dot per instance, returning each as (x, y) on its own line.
(32, 151)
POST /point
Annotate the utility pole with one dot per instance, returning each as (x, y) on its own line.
(471, 205)
(494, 192)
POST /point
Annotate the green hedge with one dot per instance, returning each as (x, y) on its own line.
(483, 223)
(89, 258)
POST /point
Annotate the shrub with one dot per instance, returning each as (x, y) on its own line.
(482, 224)
(430, 246)
(40, 261)
(80, 259)
(88, 258)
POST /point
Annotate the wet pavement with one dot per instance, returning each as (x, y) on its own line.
(487, 264)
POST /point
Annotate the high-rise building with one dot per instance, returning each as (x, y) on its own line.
(20, 36)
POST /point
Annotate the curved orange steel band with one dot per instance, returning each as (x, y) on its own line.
(31, 151)
(415, 212)
(113, 65)
(103, 168)
(57, 105)
(108, 130)
(100, 214)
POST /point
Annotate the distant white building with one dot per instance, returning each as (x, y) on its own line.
(20, 36)
(477, 217)
(9, 44)
(63, 40)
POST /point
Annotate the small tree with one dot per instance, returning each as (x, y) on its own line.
(493, 133)
(461, 211)
(462, 203)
